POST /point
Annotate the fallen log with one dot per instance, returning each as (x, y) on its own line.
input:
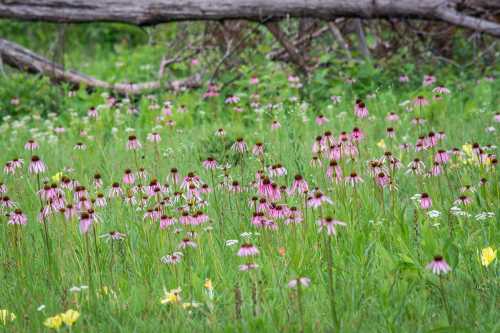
(19, 57)
(150, 12)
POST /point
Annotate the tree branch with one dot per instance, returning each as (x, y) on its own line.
(294, 54)
(23, 59)
(340, 39)
(450, 15)
(150, 12)
(278, 54)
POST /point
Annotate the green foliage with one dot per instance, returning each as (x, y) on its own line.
(22, 94)
(379, 258)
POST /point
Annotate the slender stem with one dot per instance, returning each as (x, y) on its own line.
(328, 249)
(445, 301)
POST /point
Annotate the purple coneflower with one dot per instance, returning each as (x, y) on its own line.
(97, 180)
(247, 250)
(239, 146)
(317, 199)
(382, 179)
(92, 112)
(172, 259)
(336, 99)
(299, 185)
(232, 99)
(210, 163)
(80, 146)
(154, 137)
(441, 90)
(248, 267)
(302, 281)
(31, 145)
(357, 135)
(7, 202)
(463, 200)
(258, 149)
(392, 117)
(425, 201)
(187, 243)
(436, 169)
(9, 168)
(114, 236)
(100, 200)
(329, 224)
(17, 217)
(17, 162)
(496, 117)
(275, 125)
(85, 222)
(360, 110)
(321, 120)
(420, 101)
(115, 191)
(294, 216)
(353, 179)
(441, 157)
(334, 171)
(128, 177)
(277, 170)
(133, 143)
(36, 165)
(439, 266)
(428, 80)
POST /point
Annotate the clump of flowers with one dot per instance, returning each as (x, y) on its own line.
(67, 318)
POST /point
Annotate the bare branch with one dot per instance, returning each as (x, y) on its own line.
(340, 39)
(449, 14)
(363, 47)
(295, 56)
(23, 59)
(278, 54)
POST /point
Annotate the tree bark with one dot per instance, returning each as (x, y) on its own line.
(23, 59)
(149, 12)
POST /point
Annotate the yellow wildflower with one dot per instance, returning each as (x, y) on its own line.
(488, 255)
(381, 144)
(106, 292)
(208, 284)
(70, 317)
(6, 316)
(57, 177)
(467, 149)
(54, 322)
(172, 296)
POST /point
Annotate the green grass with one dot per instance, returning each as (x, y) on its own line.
(379, 258)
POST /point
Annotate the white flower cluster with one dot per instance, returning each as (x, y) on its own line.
(416, 197)
(433, 214)
(484, 216)
(457, 211)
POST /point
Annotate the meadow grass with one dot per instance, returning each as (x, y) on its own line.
(370, 276)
